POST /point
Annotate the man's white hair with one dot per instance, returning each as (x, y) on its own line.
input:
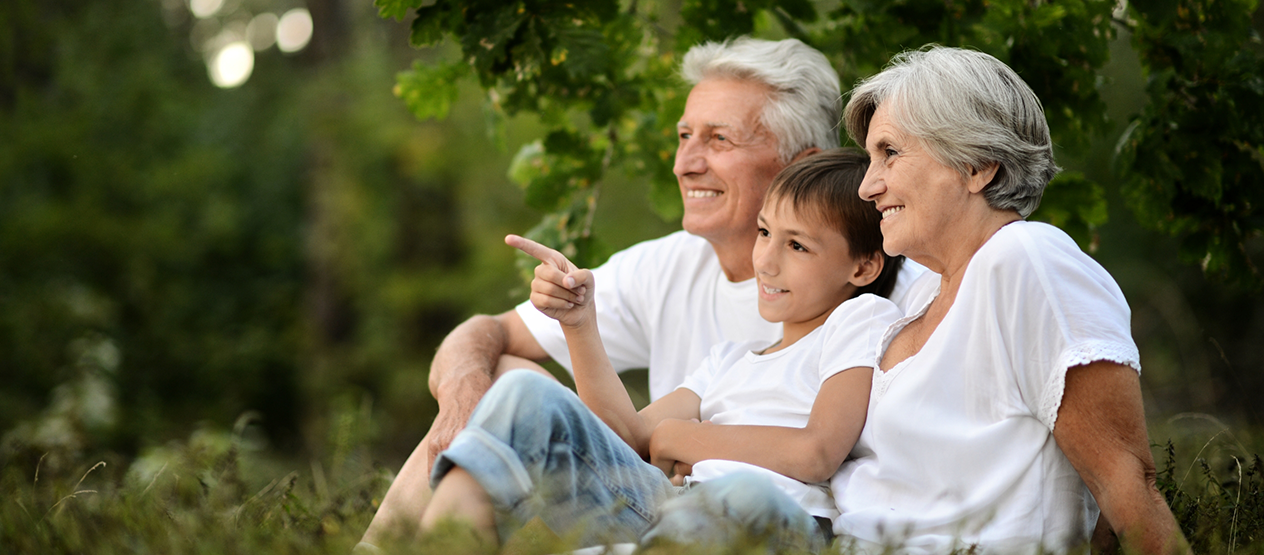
(804, 107)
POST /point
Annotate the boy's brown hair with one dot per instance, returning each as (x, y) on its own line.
(826, 187)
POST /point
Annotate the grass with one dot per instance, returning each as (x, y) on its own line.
(213, 493)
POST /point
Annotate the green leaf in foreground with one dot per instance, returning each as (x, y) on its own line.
(430, 90)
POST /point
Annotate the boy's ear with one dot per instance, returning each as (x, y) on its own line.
(868, 269)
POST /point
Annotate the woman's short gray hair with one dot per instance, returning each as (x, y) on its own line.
(803, 110)
(970, 110)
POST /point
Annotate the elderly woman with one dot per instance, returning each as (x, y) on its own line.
(1008, 405)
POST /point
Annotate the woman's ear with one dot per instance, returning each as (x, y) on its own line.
(981, 177)
(868, 269)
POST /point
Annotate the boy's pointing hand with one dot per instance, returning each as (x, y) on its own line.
(560, 290)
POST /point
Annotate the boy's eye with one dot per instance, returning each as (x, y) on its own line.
(796, 246)
(763, 232)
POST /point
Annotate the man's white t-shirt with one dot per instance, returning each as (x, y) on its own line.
(738, 386)
(662, 304)
(958, 448)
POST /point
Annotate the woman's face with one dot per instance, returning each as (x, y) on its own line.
(919, 198)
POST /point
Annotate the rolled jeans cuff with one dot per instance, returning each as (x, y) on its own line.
(491, 462)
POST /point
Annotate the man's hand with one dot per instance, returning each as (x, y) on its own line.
(460, 398)
(560, 290)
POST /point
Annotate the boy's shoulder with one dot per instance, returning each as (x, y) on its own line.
(864, 309)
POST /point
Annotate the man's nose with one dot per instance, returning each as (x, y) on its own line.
(690, 158)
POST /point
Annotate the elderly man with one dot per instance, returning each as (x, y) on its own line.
(755, 107)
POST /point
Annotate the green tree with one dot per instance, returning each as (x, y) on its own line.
(1193, 161)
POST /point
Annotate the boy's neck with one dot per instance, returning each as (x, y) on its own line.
(792, 332)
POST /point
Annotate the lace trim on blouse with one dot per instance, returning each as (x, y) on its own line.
(1084, 353)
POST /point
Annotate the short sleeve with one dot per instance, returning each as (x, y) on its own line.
(619, 297)
(853, 333)
(1062, 310)
(701, 379)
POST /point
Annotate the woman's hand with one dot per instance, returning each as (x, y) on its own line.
(560, 290)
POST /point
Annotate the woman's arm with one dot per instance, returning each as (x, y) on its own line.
(809, 454)
(1101, 429)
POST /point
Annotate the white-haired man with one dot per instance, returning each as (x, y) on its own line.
(755, 107)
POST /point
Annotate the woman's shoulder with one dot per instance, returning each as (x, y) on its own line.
(1029, 260)
(1023, 246)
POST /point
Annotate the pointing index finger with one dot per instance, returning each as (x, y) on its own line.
(540, 252)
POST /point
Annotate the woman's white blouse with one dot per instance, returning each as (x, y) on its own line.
(958, 448)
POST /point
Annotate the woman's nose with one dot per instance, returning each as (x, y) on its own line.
(872, 185)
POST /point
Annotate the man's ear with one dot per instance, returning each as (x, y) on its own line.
(981, 177)
(868, 270)
(804, 154)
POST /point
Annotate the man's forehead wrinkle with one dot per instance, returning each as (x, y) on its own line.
(724, 124)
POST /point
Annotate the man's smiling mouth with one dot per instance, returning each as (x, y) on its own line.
(701, 193)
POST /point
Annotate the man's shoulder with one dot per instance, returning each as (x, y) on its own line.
(675, 250)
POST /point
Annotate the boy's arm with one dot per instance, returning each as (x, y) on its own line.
(809, 454)
(565, 293)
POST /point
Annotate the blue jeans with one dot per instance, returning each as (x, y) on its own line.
(538, 451)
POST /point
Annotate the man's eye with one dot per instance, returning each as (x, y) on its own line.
(685, 136)
(889, 152)
(721, 137)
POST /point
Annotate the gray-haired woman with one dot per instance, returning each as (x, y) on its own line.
(1008, 405)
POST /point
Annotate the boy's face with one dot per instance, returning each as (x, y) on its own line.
(803, 267)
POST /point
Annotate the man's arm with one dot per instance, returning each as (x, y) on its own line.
(1101, 429)
(467, 363)
(470, 358)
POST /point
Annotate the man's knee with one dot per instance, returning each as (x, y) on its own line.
(522, 393)
(507, 363)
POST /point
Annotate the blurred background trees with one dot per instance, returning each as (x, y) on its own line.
(280, 252)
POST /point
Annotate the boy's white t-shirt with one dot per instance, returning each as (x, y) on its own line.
(738, 386)
(958, 447)
(662, 304)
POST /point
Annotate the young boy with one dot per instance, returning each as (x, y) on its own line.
(757, 428)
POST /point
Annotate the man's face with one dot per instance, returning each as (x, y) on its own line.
(725, 160)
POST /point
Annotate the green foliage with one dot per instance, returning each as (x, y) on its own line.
(213, 493)
(217, 492)
(1075, 204)
(1193, 161)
